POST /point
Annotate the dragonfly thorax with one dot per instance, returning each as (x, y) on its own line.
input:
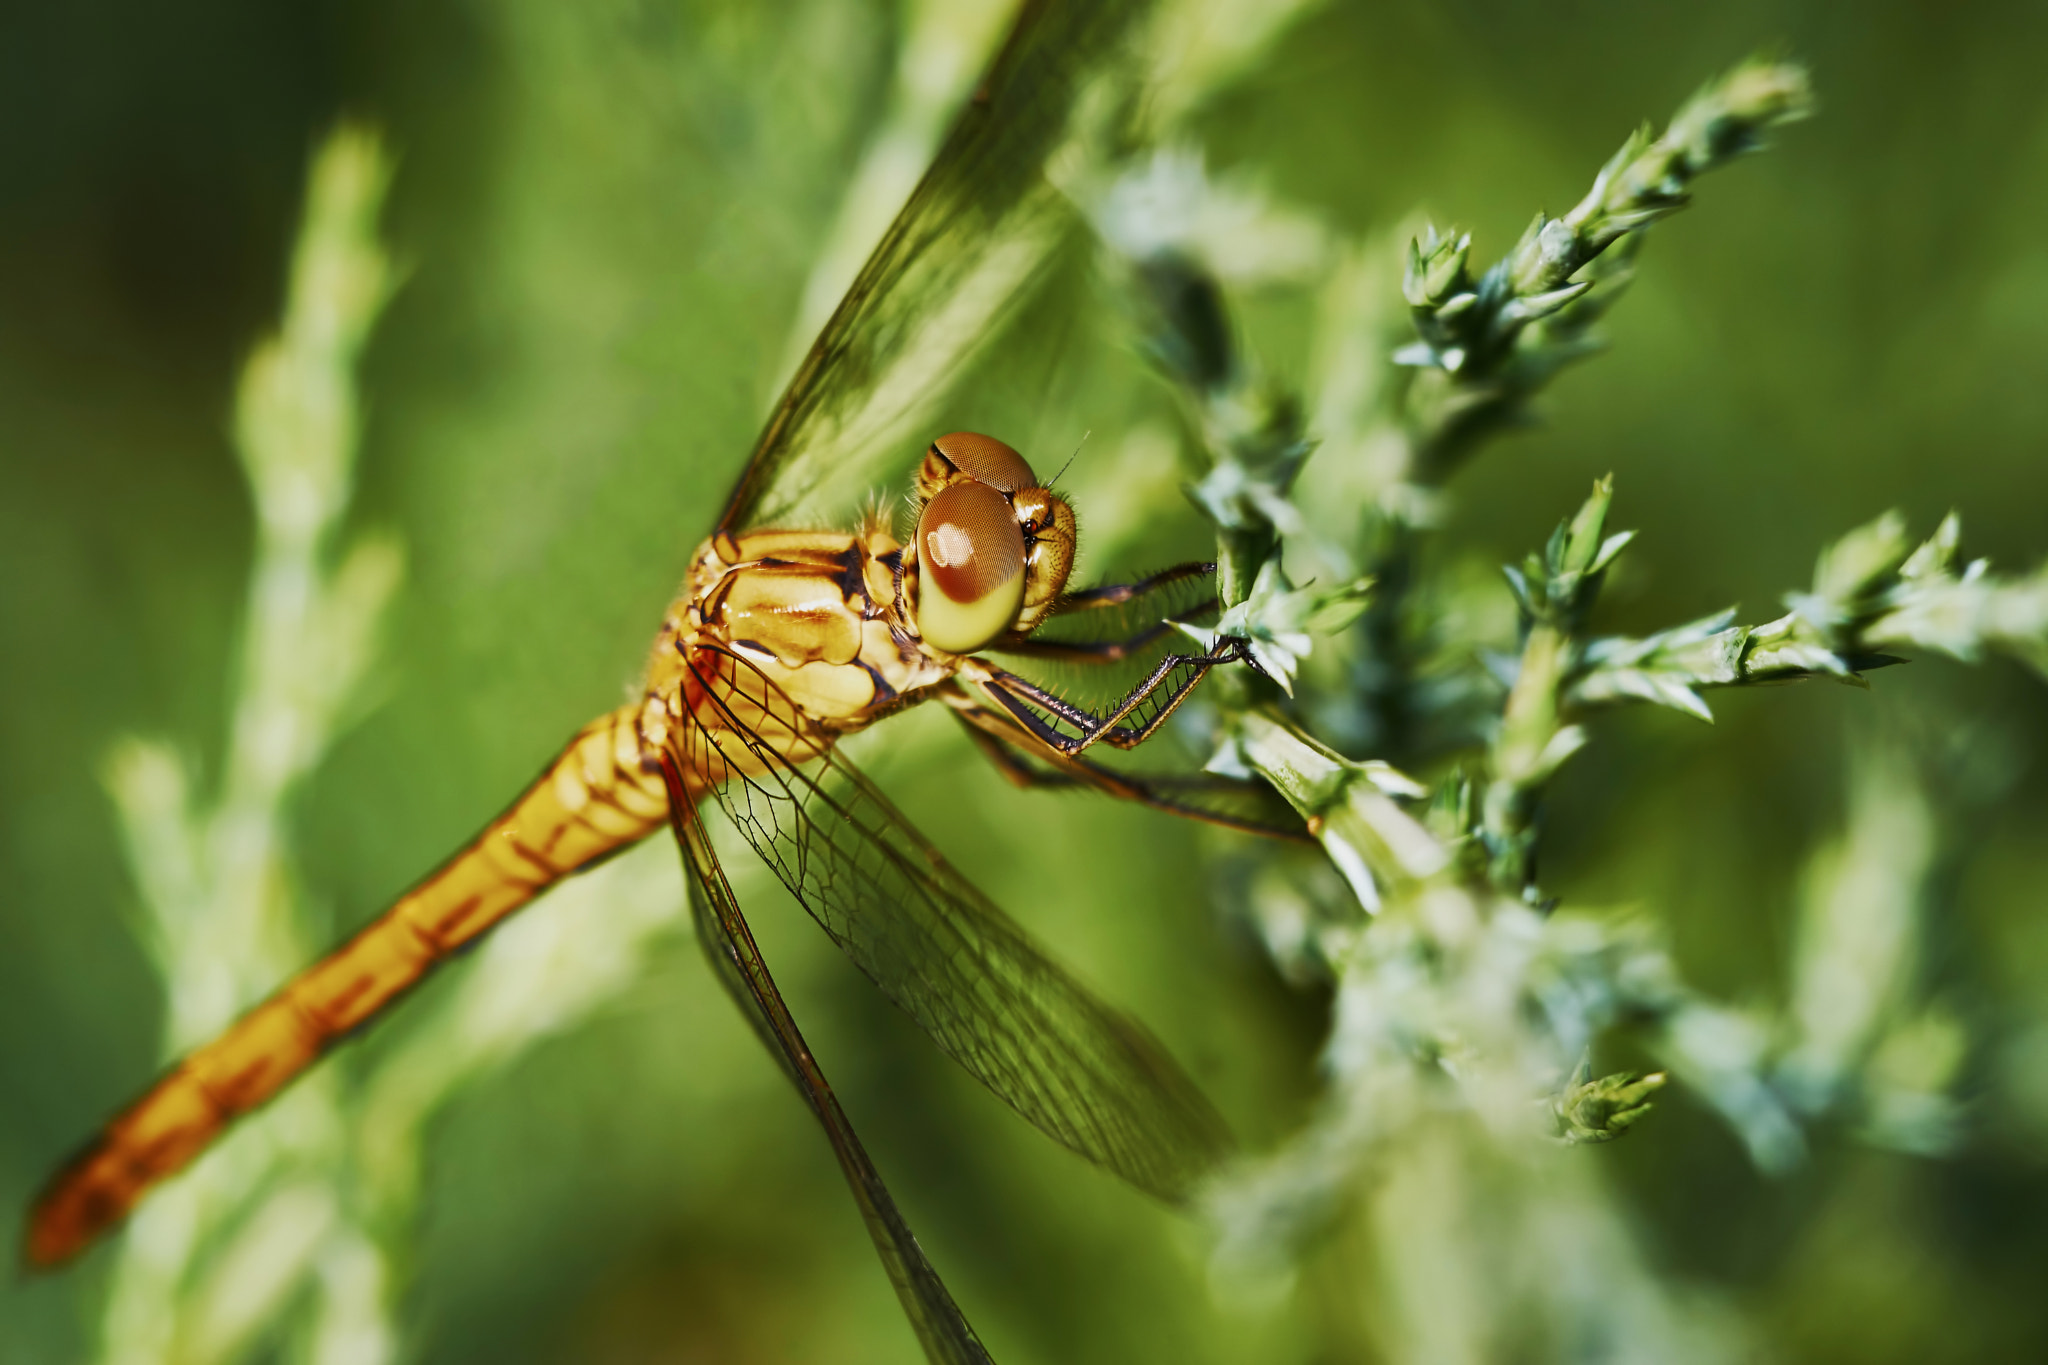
(839, 626)
(813, 619)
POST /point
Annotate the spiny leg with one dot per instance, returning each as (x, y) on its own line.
(1013, 765)
(1114, 595)
(1249, 806)
(1117, 594)
(1161, 693)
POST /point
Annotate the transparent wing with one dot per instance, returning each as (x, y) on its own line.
(979, 229)
(1084, 1074)
(729, 944)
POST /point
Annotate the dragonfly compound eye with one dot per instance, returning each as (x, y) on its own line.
(970, 556)
(986, 460)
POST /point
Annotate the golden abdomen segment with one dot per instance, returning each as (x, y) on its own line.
(596, 798)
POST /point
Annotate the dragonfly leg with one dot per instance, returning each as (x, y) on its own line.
(1071, 730)
(1117, 595)
(1229, 802)
(1009, 760)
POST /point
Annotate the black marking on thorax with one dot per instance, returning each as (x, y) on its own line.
(909, 648)
(894, 561)
(883, 692)
(853, 579)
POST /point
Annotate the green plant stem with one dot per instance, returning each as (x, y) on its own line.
(1486, 346)
(1530, 747)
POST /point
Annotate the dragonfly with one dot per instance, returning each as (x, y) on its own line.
(783, 640)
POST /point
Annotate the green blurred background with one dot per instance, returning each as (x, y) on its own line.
(608, 212)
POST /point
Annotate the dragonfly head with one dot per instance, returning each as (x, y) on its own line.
(993, 547)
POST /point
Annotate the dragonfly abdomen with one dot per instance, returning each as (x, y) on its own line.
(598, 797)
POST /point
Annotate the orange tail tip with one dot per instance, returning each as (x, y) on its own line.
(97, 1189)
(592, 801)
(82, 1204)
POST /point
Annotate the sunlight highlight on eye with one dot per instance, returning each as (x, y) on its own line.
(949, 545)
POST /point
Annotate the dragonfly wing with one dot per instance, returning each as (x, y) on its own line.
(729, 944)
(979, 229)
(1083, 1073)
